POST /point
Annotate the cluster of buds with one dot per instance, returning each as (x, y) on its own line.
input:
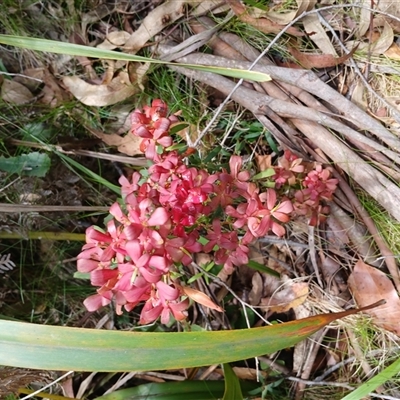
(174, 211)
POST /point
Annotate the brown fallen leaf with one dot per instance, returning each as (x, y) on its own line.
(114, 40)
(309, 61)
(128, 144)
(293, 295)
(155, 22)
(393, 52)
(262, 24)
(120, 88)
(15, 92)
(369, 284)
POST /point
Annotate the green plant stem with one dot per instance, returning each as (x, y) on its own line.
(74, 237)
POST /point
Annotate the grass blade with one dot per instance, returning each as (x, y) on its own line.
(378, 380)
(52, 46)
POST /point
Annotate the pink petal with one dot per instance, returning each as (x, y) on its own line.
(159, 217)
(116, 211)
(166, 292)
(279, 230)
(93, 235)
(165, 316)
(100, 277)
(85, 265)
(149, 313)
(285, 207)
(235, 163)
(179, 309)
(271, 198)
(150, 276)
(134, 249)
(159, 262)
(96, 301)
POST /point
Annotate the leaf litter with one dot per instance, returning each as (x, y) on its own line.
(292, 292)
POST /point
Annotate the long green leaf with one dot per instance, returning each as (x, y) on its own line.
(193, 390)
(61, 348)
(233, 391)
(378, 380)
(52, 46)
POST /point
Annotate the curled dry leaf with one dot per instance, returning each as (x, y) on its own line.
(381, 39)
(15, 92)
(117, 90)
(368, 285)
(200, 297)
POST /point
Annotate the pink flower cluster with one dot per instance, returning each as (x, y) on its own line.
(157, 227)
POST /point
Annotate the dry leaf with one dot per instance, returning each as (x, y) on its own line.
(154, 23)
(358, 96)
(14, 92)
(201, 298)
(318, 60)
(291, 296)
(263, 161)
(128, 144)
(205, 6)
(52, 94)
(117, 90)
(391, 8)
(318, 35)
(257, 288)
(114, 40)
(380, 41)
(393, 52)
(26, 79)
(385, 39)
(369, 285)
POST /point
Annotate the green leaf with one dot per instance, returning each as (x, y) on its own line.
(193, 390)
(38, 130)
(178, 127)
(232, 385)
(62, 348)
(271, 142)
(262, 268)
(52, 46)
(264, 174)
(31, 164)
(378, 380)
(81, 275)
